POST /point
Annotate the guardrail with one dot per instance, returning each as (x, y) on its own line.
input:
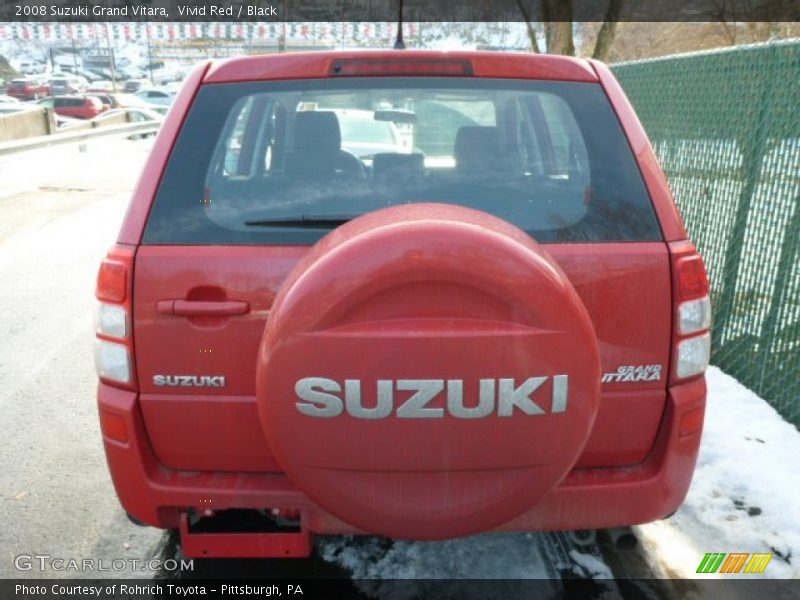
(74, 137)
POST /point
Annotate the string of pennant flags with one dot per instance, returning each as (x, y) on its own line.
(129, 32)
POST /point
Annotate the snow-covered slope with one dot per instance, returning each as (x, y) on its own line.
(745, 495)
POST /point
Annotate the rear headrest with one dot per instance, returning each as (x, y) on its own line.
(392, 164)
(317, 132)
(476, 147)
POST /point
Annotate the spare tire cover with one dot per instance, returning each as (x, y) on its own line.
(427, 371)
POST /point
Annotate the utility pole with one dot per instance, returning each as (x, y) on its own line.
(149, 53)
(111, 55)
(74, 53)
(282, 38)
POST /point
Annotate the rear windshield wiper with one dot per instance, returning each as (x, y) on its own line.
(310, 221)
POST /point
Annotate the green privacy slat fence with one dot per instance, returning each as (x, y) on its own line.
(726, 126)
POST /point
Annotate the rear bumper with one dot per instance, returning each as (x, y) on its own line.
(585, 499)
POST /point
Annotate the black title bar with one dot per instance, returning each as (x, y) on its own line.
(387, 10)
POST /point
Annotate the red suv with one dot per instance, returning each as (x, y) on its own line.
(498, 324)
(80, 107)
(28, 88)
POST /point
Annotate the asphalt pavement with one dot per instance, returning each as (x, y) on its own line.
(59, 213)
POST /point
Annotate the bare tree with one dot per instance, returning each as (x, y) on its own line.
(531, 31)
(740, 21)
(608, 31)
(557, 17)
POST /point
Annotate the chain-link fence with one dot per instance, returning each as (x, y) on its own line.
(726, 127)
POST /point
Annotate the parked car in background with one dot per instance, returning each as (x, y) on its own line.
(173, 86)
(67, 84)
(135, 85)
(8, 100)
(166, 75)
(101, 73)
(63, 123)
(33, 67)
(67, 63)
(88, 75)
(28, 88)
(134, 115)
(101, 86)
(160, 109)
(131, 101)
(131, 72)
(157, 96)
(81, 107)
(108, 100)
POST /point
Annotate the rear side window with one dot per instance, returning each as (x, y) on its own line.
(69, 102)
(286, 162)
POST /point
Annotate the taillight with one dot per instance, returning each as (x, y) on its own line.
(692, 338)
(112, 361)
(692, 356)
(694, 315)
(112, 280)
(113, 349)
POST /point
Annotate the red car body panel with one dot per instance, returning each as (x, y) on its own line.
(634, 329)
(585, 499)
(207, 451)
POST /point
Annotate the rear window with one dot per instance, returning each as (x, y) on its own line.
(286, 162)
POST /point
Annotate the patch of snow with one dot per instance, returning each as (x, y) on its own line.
(490, 556)
(591, 564)
(745, 494)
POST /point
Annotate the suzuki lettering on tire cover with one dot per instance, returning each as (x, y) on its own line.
(427, 372)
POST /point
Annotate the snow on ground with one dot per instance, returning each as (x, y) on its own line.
(591, 564)
(745, 495)
(505, 562)
(513, 556)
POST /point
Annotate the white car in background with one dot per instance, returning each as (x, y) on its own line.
(33, 67)
(365, 136)
(132, 115)
(160, 96)
(135, 115)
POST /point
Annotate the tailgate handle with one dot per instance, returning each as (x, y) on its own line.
(202, 308)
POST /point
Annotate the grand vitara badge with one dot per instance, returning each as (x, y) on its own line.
(321, 397)
(631, 373)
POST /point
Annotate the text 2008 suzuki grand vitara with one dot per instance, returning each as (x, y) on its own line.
(414, 294)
